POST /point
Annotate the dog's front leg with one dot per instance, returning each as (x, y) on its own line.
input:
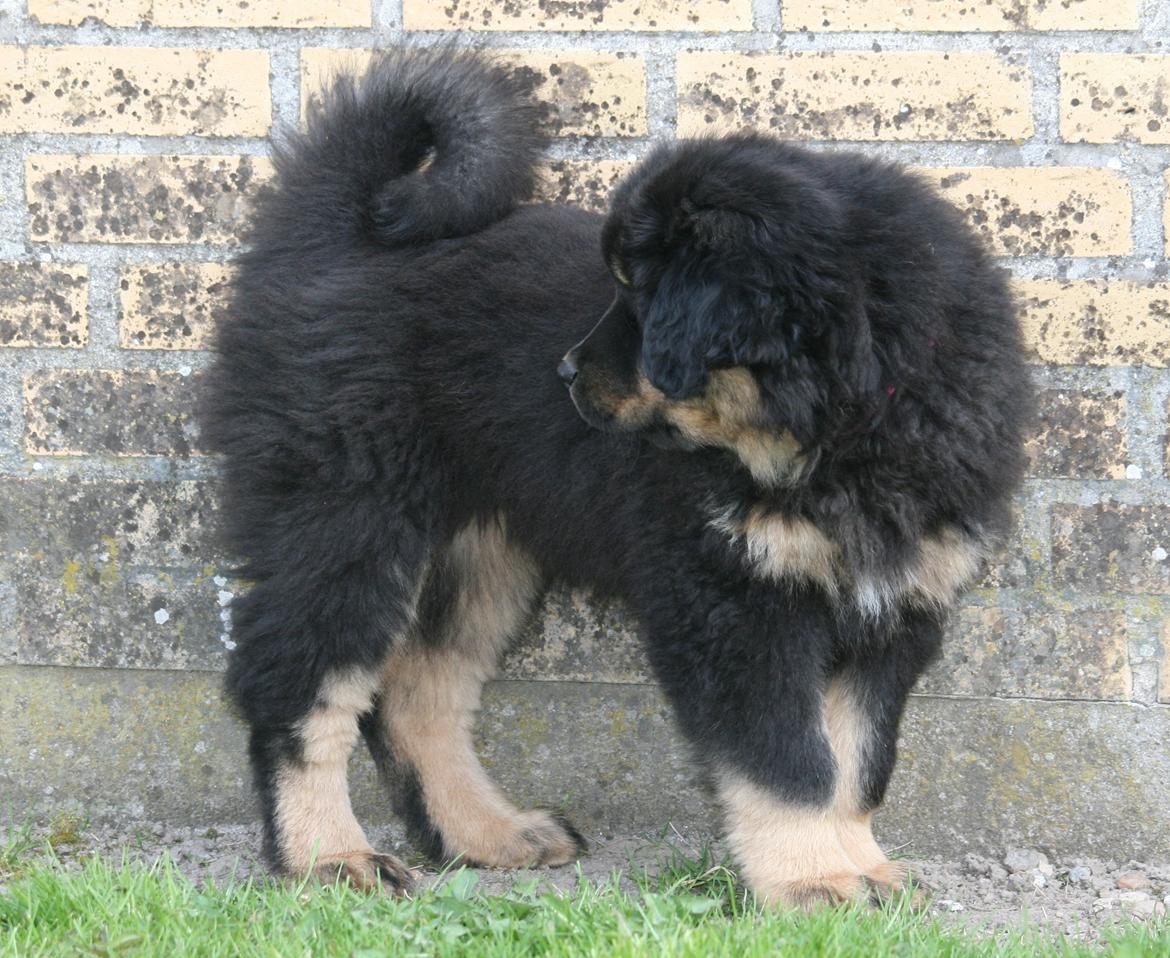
(746, 674)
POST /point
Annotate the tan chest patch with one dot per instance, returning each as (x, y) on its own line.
(786, 547)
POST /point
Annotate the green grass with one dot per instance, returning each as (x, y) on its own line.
(694, 907)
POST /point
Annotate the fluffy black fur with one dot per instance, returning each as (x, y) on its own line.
(388, 375)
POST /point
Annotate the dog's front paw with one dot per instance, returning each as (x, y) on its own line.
(889, 881)
(525, 840)
(815, 891)
(367, 871)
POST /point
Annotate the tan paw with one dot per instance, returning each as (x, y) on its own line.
(891, 880)
(822, 891)
(367, 871)
(529, 839)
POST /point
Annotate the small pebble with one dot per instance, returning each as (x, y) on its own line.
(1133, 880)
(950, 904)
(1026, 860)
(1081, 873)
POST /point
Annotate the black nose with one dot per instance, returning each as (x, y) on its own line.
(567, 370)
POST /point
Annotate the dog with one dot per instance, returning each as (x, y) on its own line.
(786, 438)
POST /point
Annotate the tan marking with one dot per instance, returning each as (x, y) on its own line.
(728, 415)
(849, 733)
(947, 563)
(788, 854)
(781, 546)
(790, 547)
(634, 410)
(431, 695)
(314, 820)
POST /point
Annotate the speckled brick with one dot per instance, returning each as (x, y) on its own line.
(581, 92)
(576, 638)
(1042, 211)
(574, 15)
(205, 13)
(144, 90)
(141, 199)
(171, 305)
(1096, 322)
(1081, 435)
(110, 615)
(1111, 547)
(77, 412)
(584, 183)
(43, 304)
(930, 16)
(115, 13)
(1016, 563)
(855, 96)
(1035, 653)
(1106, 97)
(95, 522)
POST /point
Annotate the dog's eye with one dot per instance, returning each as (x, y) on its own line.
(619, 273)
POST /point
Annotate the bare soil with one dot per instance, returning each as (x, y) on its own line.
(1078, 898)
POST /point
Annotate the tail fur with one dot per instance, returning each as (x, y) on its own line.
(427, 144)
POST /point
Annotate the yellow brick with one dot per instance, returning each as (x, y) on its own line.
(205, 13)
(43, 304)
(156, 91)
(117, 13)
(1096, 323)
(1044, 211)
(141, 199)
(171, 305)
(855, 96)
(584, 183)
(574, 15)
(583, 93)
(1106, 97)
(940, 16)
(1084, 14)
(260, 13)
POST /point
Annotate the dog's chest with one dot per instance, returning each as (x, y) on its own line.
(781, 547)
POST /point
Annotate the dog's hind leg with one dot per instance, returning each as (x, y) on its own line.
(312, 636)
(478, 594)
(863, 707)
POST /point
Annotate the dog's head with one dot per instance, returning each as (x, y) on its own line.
(735, 318)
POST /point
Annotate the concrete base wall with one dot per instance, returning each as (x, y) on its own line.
(975, 775)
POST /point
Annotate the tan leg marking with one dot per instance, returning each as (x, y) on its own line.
(848, 731)
(789, 854)
(431, 695)
(315, 821)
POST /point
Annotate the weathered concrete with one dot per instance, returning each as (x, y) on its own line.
(979, 775)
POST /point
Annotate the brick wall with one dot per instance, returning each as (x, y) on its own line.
(133, 134)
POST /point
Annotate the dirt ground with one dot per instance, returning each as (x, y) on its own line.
(1077, 898)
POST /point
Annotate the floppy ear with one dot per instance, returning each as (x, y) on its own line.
(678, 332)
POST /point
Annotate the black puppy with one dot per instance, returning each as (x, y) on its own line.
(824, 359)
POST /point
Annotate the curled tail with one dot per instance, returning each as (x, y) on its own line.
(426, 144)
